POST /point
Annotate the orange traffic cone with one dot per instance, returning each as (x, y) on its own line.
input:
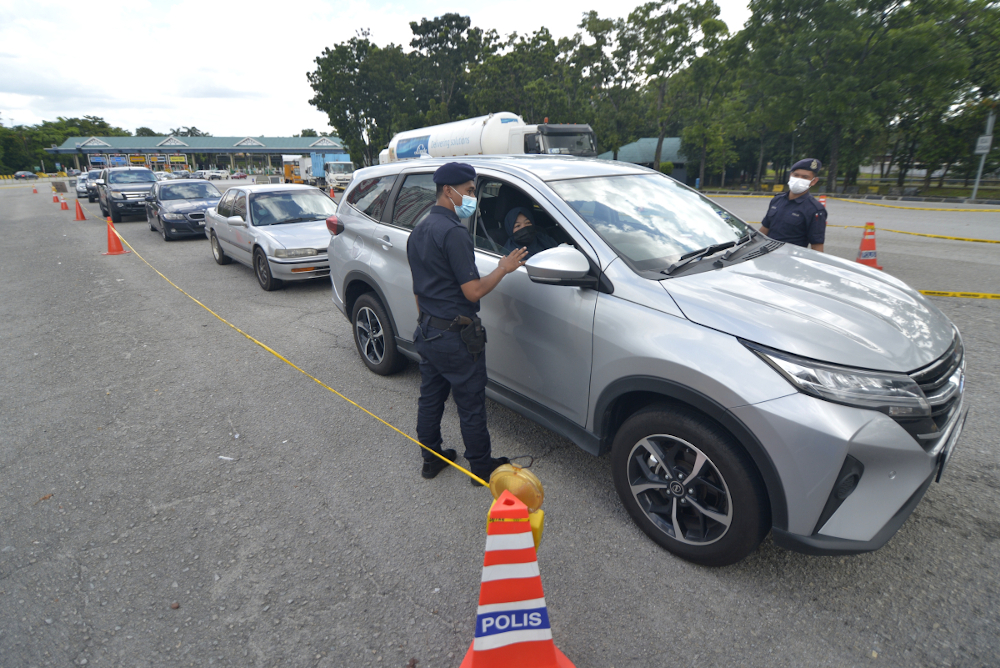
(55, 197)
(331, 191)
(512, 622)
(79, 212)
(822, 199)
(34, 190)
(114, 243)
(866, 253)
(63, 206)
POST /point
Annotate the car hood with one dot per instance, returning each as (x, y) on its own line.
(187, 205)
(818, 306)
(312, 234)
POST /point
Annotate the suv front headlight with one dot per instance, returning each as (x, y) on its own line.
(894, 394)
(295, 252)
(117, 195)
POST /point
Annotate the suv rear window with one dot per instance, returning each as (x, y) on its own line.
(415, 199)
(370, 196)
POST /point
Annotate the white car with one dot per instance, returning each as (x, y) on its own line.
(213, 174)
(163, 176)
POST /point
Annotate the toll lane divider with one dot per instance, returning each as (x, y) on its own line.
(858, 201)
(472, 475)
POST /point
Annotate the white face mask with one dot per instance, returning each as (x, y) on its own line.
(798, 186)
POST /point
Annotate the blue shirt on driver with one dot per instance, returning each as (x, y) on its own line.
(442, 258)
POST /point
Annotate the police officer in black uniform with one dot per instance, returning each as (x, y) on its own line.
(796, 217)
(449, 335)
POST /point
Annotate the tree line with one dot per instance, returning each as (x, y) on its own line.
(900, 84)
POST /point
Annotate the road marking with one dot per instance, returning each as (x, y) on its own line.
(963, 295)
(300, 369)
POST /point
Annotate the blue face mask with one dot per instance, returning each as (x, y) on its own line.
(466, 208)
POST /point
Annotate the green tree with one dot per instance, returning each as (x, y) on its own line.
(308, 133)
(146, 132)
(445, 47)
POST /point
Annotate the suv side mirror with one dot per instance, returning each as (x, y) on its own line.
(99, 182)
(150, 198)
(563, 265)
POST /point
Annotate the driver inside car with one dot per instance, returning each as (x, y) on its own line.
(523, 233)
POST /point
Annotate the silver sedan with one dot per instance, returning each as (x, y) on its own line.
(279, 231)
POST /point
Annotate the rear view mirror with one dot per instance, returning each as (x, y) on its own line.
(150, 198)
(236, 221)
(99, 182)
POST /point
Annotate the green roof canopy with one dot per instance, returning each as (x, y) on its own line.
(173, 144)
(641, 152)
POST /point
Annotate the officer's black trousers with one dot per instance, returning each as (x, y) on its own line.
(448, 367)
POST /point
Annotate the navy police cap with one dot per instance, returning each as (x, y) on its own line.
(454, 173)
(812, 164)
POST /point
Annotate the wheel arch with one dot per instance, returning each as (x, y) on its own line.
(626, 396)
(357, 284)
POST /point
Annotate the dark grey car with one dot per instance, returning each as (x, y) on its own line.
(121, 191)
(177, 208)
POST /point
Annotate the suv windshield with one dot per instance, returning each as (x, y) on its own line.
(290, 207)
(137, 176)
(189, 191)
(649, 219)
(339, 167)
(94, 174)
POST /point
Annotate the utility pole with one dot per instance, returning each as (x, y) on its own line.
(983, 148)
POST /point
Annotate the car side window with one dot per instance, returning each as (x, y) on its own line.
(225, 205)
(370, 196)
(496, 200)
(240, 206)
(415, 199)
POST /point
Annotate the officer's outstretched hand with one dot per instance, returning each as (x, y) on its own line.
(516, 259)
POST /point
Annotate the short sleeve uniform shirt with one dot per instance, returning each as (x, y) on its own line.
(800, 221)
(442, 259)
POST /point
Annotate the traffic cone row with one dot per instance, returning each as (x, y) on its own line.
(114, 243)
(512, 621)
(866, 253)
(79, 211)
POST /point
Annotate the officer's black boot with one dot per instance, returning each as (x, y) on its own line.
(485, 473)
(434, 466)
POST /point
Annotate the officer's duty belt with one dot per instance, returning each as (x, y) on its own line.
(446, 325)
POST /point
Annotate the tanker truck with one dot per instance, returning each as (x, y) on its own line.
(503, 133)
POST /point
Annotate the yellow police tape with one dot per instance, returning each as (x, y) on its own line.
(856, 201)
(921, 234)
(299, 369)
(963, 295)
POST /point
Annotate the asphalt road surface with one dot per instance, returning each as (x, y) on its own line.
(174, 495)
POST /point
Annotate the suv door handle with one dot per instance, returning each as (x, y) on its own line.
(385, 241)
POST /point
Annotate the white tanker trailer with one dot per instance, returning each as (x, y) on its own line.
(497, 134)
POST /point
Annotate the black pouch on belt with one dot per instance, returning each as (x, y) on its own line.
(474, 336)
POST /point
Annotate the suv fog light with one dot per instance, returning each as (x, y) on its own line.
(847, 481)
(846, 486)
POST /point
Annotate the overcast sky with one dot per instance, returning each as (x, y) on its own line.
(231, 69)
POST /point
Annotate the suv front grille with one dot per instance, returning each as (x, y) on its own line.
(141, 195)
(942, 382)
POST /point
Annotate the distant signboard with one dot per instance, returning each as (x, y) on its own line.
(137, 159)
(158, 159)
(118, 160)
(177, 159)
(983, 144)
(98, 160)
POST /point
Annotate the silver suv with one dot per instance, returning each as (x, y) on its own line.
(740, 385)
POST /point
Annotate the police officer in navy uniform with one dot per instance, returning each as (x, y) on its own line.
(796, 217)
(447, 287)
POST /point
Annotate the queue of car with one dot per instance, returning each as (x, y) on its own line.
(714, 365)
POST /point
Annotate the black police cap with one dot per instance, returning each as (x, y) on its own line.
(811, 164)
(454, 173)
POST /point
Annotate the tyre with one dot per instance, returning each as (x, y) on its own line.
(115, 217)
(220, 257)
(90, 199)
(373, 335)
(263, 271)
(149, 221)
(163, 230)
(689, 485)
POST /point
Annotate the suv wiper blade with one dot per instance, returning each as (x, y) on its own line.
(697, 255)
(745, 239)
(298, 220)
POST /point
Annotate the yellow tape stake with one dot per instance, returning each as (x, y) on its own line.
(963, 295)
(302, 371)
